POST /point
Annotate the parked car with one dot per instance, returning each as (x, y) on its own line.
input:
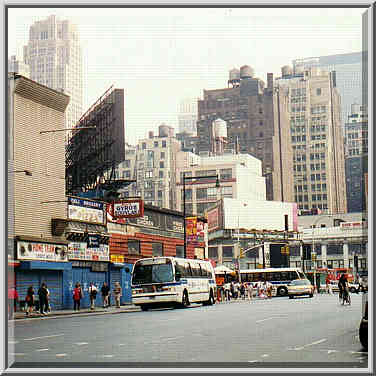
(299, 287)
(363, 327)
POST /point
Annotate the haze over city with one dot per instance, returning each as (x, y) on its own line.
(161, 56)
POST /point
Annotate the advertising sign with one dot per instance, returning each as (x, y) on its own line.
(93, 241)
(81, 251)
(353, 225)
(41, 251)
(128, 209)
(117, 258)
(86, 210)
(191, 229)
(213, 219)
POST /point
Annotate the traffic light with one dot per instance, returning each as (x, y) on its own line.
(313, 255)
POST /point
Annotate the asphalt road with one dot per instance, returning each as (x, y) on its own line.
(311, 332)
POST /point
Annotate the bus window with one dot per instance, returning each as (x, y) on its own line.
(276, 276)
(284, 276)
(180, 268)
(187, 270)
(293, 275)
(196, 272)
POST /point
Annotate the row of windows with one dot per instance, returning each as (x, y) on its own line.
(134, 248)
(206, 193)
(298, 130)
(314, 187)
(225, 173)
(318, 109)
(193, 269)
(315, 197)
(156, 144)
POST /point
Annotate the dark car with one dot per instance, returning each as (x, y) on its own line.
(363, 327)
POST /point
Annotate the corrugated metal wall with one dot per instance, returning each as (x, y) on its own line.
(53, 280)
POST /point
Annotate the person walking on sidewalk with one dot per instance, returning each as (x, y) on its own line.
(48, 305)
(12, 301)
(29, 300)
(105, 290)
(43, 299)
(93, 295)
(117, 294)
(77, 296)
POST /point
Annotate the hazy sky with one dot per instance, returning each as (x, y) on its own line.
(160, 56)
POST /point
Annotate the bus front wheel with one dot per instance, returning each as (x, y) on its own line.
(211, 300)
(282, 291)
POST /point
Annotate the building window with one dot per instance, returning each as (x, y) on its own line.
(164, 144)
(162, 155)
(227, 251)
(133, 247)
(201, 194)
(213, 253)
(157, 249)
(188, 195)
(226, 173)
(156, 144)
(179, 251)
(212, 192)
(318, 91)
(144, 145)
(160, 194)
(227, 191)
(126, 174)
(161, 164)
(127, 163)
(148, 174)
(161, 174)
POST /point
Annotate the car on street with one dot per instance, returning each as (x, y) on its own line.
(299, 287)
(353, 288)
(363, 327)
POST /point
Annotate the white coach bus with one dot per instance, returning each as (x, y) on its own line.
(278, 277)
(172, 281)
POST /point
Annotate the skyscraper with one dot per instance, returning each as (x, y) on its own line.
(348, 77)
(317, 139)
(54, 56)
(187, 116)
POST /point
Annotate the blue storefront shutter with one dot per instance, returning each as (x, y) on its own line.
(126, 274)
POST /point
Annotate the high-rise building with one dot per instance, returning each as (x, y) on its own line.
(356, 158)
(348, 76)
(153, 164)
(317, 139)
(255, 119)
(187, 116)
(18, 66)
(54, 57)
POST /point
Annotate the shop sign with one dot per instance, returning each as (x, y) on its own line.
(117, 258)
(128, 209)
(191, 229)
(86, 210)
(353, 225)
(93, 241)
(213, 219)
(81, 251)
(41, 251)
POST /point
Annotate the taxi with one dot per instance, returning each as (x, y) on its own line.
(300, 287)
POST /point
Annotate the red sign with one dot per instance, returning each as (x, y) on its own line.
(127, 208)
(213, 219)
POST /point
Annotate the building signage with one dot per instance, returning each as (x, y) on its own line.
(93, 241)
(41, 251)
(353, 225)
(213, 219)
(81, 251)
(128, 209)
(86, 210)
(117, 258)
(191, 229)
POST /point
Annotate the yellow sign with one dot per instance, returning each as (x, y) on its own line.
(117, 258)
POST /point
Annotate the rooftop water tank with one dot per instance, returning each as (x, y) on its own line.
(234, 74)
(286, 70)
(246, 72)
(220, 128)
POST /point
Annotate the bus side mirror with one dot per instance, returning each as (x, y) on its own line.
(177, 276)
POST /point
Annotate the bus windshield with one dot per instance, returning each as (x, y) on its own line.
(152, 273)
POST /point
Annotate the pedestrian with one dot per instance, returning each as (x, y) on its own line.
(29, 300)
(227, 288)
(77, 296)
(269, 290)
(93, 294)
(117, 294)
(12, 301)
(250, 290)
(48, 305)
(327, 283)
(242, 291)
(232, 290)
(105, 290)
(43, 299)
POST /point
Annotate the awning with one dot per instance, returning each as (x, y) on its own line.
(117, 265)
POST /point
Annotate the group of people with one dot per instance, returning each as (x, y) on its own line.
(78, 294)
(245, 290)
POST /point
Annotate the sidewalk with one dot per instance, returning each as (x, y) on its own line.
(82, 312)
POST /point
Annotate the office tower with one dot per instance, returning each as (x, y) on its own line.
(54, 56)
(256, 119)
(317, 139)
(187, 116)
(348, 76)
(18, 67)
(356, 158)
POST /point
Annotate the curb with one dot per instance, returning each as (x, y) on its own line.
(81, 314)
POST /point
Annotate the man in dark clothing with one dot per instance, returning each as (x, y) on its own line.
(342, 285)
(43, 299)
(105, 291)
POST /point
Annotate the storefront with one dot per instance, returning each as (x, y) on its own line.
(41, 261)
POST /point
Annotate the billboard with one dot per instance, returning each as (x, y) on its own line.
(81, 251)
(127, 208)
(86, 210)
(41, 251)
(213, 219)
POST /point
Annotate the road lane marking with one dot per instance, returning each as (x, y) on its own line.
(310, 344)
(32, 339)
(17, 354)
(252, 361)
(270, 318)
(264, 355)
(359, 352)
(42, 350)
(121, 344)
(332, 351)
(12, 342)
(81, 343)
(61, 355)
(107, 356)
